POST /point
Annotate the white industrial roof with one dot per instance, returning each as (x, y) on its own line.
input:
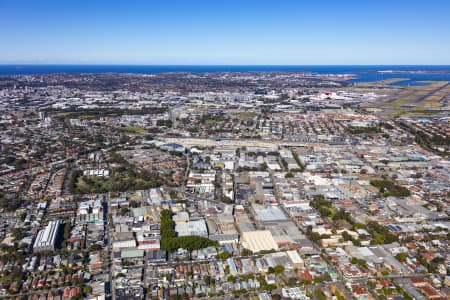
(258, 240)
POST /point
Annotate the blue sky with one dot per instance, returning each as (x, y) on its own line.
(297, 32)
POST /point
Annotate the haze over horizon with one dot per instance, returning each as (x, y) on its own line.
(201, 32)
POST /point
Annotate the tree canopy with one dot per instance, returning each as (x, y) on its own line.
(171, 242)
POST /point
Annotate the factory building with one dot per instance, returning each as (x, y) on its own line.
(47, 238)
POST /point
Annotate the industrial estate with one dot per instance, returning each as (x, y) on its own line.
(223, 185)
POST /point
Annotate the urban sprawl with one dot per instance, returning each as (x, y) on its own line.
(259, 185)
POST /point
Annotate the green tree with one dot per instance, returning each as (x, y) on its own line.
(319, 295)
(223, 255)
(327, 277)
(402, 257)
(279, 269)
(289, 175)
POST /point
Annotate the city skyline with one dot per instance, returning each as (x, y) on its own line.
(231, 33)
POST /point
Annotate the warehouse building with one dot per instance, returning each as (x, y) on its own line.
(258, 240)
(124, 240)
(47, 238)
(192, 227)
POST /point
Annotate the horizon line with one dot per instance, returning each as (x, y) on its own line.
(206, 65)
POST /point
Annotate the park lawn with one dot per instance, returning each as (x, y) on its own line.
(246, 115)
(133, 129)
(210, 122)
(118, 181)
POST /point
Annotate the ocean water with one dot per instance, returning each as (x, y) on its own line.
(414, 74)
